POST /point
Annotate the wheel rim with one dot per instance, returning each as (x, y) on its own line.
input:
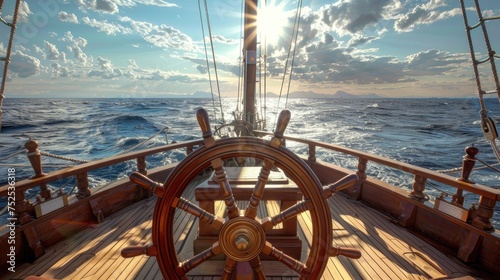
(247, 147)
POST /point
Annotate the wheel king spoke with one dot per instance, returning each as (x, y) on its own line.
(186, 205)
(221, 179)
(258, 191)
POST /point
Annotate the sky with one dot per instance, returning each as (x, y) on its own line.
(154, 48)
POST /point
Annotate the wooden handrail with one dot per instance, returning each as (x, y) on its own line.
(86, 167)
(481, 190)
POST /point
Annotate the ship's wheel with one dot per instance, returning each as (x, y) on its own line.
(242, 234)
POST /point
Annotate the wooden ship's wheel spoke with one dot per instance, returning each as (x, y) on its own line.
(241, 237)
(292, 263)
(221, 179)
(186, 205)
(193, 262)
(251, 211)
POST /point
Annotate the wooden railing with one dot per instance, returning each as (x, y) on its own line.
(41, 179)
(488, 196)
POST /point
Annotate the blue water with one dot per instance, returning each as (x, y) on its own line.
(431, 132)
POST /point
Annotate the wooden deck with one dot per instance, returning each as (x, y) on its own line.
(388, 251)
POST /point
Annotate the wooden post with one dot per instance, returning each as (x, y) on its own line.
(35, 158)
(418, 188)
(356, 190)
(468, 163)
(312, 153)
(189, 149)
(141, 168)
(83, 185)
(141, 165)
(21, 209)
(484, 214)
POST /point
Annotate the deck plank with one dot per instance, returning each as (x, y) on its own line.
(94, 253)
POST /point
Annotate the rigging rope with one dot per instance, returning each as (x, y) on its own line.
(293, 42)
(63, 157)
(487, 124)
(143, 142)
(213, 58)
(7, 55)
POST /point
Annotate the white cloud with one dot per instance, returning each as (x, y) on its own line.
(106, 6)
(106, 71)
(23, 65)
(106, 27)
(63, 16)
(68, 37)
(351, 16)
(113, 6)
(162, 36)
(159, 3)
(426, 13)
(52, 53)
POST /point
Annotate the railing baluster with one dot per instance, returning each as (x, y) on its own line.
(484, 214)
(312, 153)
(21, 208)
(141, 165)
(418, 187)
(356, 193)
(83, 185)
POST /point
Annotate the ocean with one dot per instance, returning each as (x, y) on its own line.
(426, 132)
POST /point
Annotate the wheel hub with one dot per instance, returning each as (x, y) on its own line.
(242, 239)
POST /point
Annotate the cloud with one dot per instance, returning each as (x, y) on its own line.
(221, 39)
(52, 53)
(59, 70)
(358, 40)
(162, 36)
(23, 65)
(159, 3)
(68, 37)
(426, 13)
(113, 6)
(106, 6)
(106, 71)
(351, 16)
(63, 16)
(433, 62)
(106, 27)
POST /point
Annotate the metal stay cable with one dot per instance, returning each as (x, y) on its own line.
(213, 56)
(206, 58)
(292, 41)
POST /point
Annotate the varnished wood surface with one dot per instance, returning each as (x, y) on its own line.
(388, 251)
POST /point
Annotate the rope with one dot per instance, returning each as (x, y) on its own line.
(292, 41)
(63, 157)
(7, 57)
(13, 155)
(213, 58)
(142, 143)
(206, 58)
(4, 209)
(487, 124)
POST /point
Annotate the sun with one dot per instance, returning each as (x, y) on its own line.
(272, 21)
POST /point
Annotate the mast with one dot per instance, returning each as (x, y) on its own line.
(250, 58)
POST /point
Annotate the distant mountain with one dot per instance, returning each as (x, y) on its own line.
(338, 94)
(197, 94)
